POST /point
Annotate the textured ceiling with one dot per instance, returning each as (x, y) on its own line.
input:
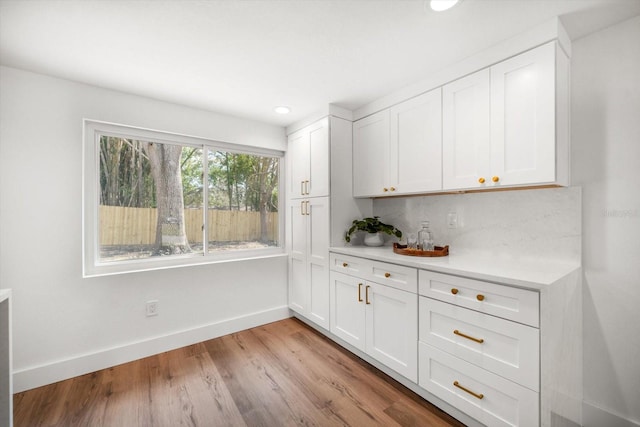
(243, 57)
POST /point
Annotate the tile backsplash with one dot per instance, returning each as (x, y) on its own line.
(537, 223)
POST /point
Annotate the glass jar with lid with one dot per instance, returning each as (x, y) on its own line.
(425, 237)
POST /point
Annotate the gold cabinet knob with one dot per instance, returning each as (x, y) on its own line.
(454, 291)
(344, 264)
(481, 180)
(392, 189)
(385, 189)
(495, 179)
(480, 297)
(387, 275)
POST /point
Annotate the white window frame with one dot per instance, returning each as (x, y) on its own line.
(92, 266)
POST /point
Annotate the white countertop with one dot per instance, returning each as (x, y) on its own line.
(510, 270)
(4, 294)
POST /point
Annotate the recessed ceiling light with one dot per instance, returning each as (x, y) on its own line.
(282, 110)
(440, 5)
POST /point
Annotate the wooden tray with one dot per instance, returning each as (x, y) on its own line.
(437, 251)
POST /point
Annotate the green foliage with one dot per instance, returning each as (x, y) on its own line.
(371, 225)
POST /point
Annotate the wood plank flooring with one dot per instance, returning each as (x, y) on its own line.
(280, 374)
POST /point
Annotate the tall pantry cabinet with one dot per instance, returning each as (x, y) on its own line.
(319, 208)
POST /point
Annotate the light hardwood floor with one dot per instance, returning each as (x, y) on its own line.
(280, 374)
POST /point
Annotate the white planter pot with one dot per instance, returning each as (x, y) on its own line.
(374, 239)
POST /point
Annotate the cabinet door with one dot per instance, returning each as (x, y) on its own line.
(308, 160)
(371, 155)
(318, 259)
(298, 161)
(297, 239)
(466, 132)
(415, 162)
(392, 328)
(348, 309)
(318, 175)
(523, 118)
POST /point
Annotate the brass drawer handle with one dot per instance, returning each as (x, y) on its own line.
(476, 395)
(480, 297)
(359, 292)
(478, 340)
(344, 264)
(366, 294)
(387, 275)
(306, 187)
(454, 291)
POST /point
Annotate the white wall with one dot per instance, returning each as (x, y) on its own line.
(606, 162)
(65, 325)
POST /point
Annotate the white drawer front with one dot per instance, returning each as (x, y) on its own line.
(396, 276)
(503, 347)
(489, 398)
(346, 264)
(503, 301)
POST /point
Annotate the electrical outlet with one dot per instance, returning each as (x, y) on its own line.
(452, 220)
(152, 308)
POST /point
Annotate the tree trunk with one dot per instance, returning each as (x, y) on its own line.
(171, 236)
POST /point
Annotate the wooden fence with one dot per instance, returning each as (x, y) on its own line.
(137, 226)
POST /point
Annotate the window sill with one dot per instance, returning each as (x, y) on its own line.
(177, 261)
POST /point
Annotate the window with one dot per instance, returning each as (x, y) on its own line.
(156, 200)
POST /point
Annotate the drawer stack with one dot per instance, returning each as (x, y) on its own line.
(479, 348)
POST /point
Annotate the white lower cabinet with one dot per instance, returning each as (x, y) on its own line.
(489, 353)
(378, 319)
(308, 240)
(480, 348)
(487, 397)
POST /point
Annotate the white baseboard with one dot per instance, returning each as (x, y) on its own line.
(592, 416)
(37, 376)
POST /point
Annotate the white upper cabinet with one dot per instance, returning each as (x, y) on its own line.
(505, 125)
(415, 154)
(399, 150)
(308, 157)
(523, 118)
(466, 138)
(371, 155)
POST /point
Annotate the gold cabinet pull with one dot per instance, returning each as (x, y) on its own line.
(302, 208)
(302, 188)
(306, 187)
(387, 275)
(478, 340)
(308, 210)
(385, 189)
(454, 291)
(366, 294)
(344, 264)
(480, 297)
(360, 292)
(495, 179)
(481, 180)
(392, 189)
(474, 394)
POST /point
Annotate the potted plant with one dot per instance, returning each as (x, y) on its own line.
(374, 227)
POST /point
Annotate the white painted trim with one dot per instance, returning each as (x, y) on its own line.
(592, 416)
(37, 376)
(329, 110)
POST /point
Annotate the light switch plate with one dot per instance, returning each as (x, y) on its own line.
(452, 220)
